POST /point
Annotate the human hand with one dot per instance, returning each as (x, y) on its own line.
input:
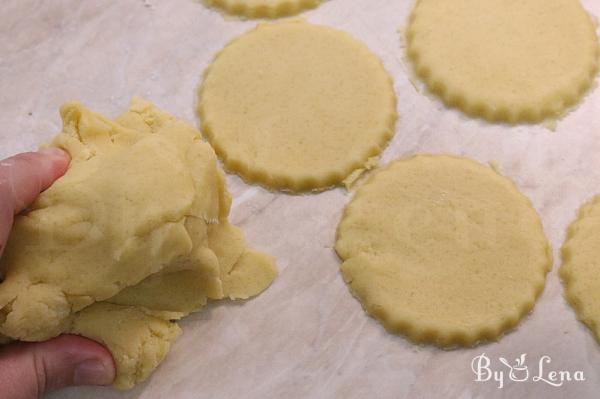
(28, 370)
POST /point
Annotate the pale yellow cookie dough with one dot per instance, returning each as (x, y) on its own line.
(137, 341)
(138, 224)
(511, 61)
(262, 8)
(239, 271)
(117, 216)
(580, 270)
(296, 106)
(443, 250)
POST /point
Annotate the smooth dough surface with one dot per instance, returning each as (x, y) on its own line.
(580, 270)
(443, 250)
(296, 106)
(504, 60)
(263, 8)
(93, 257)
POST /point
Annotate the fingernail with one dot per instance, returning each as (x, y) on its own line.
(53, 151)
(92, 372)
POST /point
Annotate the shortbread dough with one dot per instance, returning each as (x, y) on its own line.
(164, 297)
(240, 273)
(262, 8)
(581, 265)
(137, 341)
(98, 235)
(443, 250)
(512, 61)
(296, 106)
(80, 243)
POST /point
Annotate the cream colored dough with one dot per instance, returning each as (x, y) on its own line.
(163, 297)
(262, 8)
(138, 224)
(443, 250)
(80, 242)
(581, 266)
(230, 269)
(504, 60)
(296, 106)
(137, 341)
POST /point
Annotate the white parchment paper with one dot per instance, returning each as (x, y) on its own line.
(306, 336)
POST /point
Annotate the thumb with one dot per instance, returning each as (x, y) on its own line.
(22, 178)
(28, 370)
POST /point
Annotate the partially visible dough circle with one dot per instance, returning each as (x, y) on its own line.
(296, 106)
(263, 8)
(511, 61)
(443, 250)
(580, 270)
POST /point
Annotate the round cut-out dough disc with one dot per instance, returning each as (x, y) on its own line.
(443, 250)
(580, 270)
(296, 106)
(512, 61)
(263, 8)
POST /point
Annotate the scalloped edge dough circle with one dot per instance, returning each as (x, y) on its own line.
(510, 61)
(262, 8)
(580, 269)
(296, 106)
(443, 250)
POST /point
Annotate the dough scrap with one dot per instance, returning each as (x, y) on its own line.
(580, 266)
(138, 342)
(443, 250)
(510, 61)
(242, 273)
(164, 212)
(228, 244)
(296, 106)
(70, 248)
(249, 275)
(263, 8)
